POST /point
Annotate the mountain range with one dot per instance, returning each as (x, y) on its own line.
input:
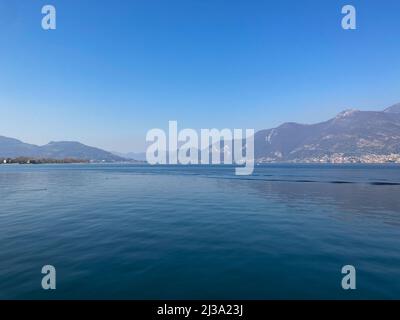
(12, 148)
(352, 133)
(370, 135)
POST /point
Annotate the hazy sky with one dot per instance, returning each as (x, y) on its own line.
(115, 69)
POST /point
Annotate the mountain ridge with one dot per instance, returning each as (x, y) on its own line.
(352, 133)
(12, 148)
(393, 109)
(351, 136)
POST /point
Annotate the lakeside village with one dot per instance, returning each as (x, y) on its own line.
(342, 158)
(25, 160)
(334, 158)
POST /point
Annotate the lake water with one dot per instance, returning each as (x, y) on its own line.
(194, 232)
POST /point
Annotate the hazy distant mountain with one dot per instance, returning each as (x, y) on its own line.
(139, 156)
(350, 133)
(367, 136)
(393, 109)
(12, 148)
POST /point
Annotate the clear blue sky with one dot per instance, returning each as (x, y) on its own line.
(114, 69)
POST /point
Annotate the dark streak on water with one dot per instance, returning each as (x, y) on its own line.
(140, 232)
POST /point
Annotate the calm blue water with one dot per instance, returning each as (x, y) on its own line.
(141, 232)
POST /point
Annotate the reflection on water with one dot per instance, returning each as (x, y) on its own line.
(141, 232)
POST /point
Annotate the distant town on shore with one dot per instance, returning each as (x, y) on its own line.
(25, 160)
